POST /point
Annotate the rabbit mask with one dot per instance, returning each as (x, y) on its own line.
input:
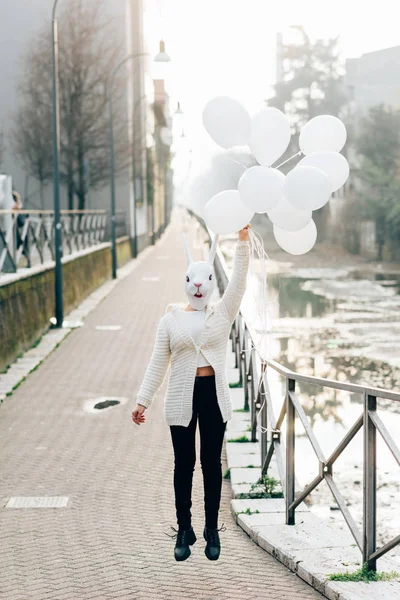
(200, 281)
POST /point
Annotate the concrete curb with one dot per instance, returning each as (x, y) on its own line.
(31, 359)
(311, 548)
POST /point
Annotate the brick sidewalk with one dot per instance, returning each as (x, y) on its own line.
(109, 541)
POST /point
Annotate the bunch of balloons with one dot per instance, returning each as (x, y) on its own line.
(287, 200)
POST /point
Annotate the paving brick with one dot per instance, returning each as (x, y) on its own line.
(109, 542)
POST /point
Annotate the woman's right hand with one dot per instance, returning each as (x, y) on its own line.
(138, 414)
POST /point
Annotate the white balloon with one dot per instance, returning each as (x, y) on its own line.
(287, 217)
(307, 188)
(297, 242)
(227, 122)
(270, 135)
(333, 164)
(323, 133)
(219, 174)
(261, 188)
(225, 213)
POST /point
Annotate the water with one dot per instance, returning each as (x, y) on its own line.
(340, 324)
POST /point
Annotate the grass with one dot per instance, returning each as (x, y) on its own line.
(242, 439)
(242, 410)
(227, 474)
(248, 511)
(236, 384)
(264, 487)
(364, 574)
(36, 344)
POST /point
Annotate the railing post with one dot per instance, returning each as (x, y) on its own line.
(369, 520)
(243, 357)
(264, 415)
(290, 448)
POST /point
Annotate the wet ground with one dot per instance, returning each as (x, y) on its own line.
(336, 316)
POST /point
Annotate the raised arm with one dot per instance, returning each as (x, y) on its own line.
(236, 287)
(157, 367)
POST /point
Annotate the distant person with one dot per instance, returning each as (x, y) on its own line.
(193, 340)
(21, 220)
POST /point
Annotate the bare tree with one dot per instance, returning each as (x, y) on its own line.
(32, 137)
(89, 49)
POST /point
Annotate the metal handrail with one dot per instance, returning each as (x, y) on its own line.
(253, 378)
(34, 237)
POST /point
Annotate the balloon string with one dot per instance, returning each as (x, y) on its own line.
(289, 159)
(260, 310)
(299, 153)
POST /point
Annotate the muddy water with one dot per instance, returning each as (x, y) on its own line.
(341, 324)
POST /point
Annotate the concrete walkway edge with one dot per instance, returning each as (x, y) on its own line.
(311, 548)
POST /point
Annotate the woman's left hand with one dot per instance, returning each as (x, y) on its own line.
(244, 233)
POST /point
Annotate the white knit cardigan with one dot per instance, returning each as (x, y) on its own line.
(175, 348)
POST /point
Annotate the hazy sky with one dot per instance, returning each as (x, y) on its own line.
(228, 46)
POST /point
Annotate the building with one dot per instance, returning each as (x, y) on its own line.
(370, 80)
(19, 23)
(374, 78)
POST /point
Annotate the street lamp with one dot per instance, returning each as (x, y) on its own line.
(162, 56)
(58, 286)
(179, 111)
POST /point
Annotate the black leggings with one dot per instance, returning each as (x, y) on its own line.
(212, 429)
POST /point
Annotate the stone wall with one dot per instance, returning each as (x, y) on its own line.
(27, 300)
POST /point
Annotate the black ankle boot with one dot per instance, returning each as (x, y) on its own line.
(184, 539)
(213, 547)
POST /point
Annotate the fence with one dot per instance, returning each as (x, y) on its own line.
(31, 234)
(253, 377)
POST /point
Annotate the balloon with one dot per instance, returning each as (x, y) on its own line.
(333, 164)
(227, 122)
(287, 217)
(221, 173)
(297, 242)
(225, 213)
(323, 133)
(261, 188)
(270, 135)
(307, 188)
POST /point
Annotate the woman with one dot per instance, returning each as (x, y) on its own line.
(193, 341)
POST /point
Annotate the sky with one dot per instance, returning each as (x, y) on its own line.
(227, 47)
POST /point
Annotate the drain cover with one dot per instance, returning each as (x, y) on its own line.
(106, 404)
(37, 502)
(98, 405)
(108, 327)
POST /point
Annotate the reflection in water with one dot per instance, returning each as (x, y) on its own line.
(347, 337)
(295, 302)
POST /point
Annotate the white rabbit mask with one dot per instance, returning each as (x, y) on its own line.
(200, 278)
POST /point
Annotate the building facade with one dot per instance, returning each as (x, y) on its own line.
(20, 22)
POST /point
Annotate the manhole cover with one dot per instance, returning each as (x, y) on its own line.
(106, 404)
(103, 404)
(108, 327)
(37, 502)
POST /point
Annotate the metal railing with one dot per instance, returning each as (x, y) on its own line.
(253, 377)
(30, 233)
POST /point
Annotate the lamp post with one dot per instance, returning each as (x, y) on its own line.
(58, 287)
(162, 56)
